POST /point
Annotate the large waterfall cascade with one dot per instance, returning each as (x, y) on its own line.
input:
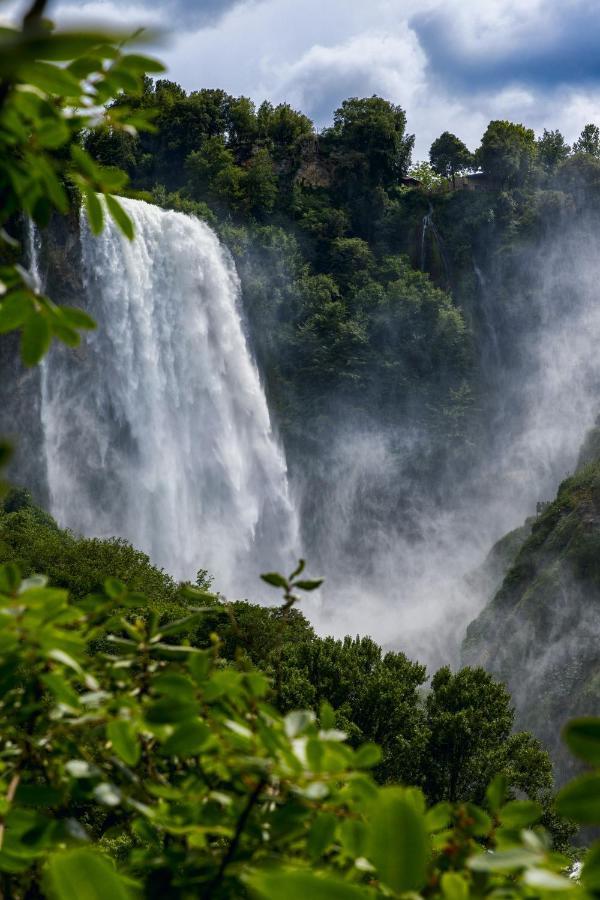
(159, 430)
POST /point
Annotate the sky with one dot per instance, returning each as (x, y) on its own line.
(451, 64)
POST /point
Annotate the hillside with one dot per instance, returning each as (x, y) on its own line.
(540, 633)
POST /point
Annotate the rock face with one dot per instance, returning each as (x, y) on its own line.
(59, 270)
(541, 632)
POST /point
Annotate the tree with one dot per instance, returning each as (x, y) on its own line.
(552, 150)
(214, 175)
(155, 769)
(279, 127)
(588, 141)
(259, 185)
(470, 719)
(373, 131)
(449, 155)
(507, 152)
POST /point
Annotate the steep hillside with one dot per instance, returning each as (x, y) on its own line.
(540, 632)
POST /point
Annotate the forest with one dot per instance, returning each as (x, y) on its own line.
(160, 736)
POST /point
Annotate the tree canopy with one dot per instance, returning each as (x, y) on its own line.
(449, 156)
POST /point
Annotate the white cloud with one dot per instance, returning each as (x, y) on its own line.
(452, 65)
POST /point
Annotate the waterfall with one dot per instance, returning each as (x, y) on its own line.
(429, 225)
(33, 246)
(488, 318)
(158, 431)
(427, 221)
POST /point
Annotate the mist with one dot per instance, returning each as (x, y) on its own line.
(398, 546)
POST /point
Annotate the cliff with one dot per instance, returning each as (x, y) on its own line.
(540, 633)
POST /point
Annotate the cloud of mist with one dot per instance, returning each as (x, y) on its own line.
(397, 551)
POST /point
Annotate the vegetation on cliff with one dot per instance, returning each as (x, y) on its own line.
(539, 633)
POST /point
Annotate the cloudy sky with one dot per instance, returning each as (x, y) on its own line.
(452, 64)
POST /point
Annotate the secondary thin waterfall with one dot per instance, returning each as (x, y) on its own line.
(158, 431)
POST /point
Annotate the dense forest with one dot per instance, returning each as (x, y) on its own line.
(162, 739)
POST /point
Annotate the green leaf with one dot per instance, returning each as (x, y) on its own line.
(321, 834)
(543, 880)
(366, 756)
(326, 715)
(114, 588)
(275, 579)
(188, 739)
(397, 844)
(15, 309)
(481, 823)
(85, 163)
(520, 813)
(171, 684)
(199, 666)
(77, 318)
(300, 885)
(590, 874)
(583, 739)
(353, 835)
(310, 585)
(120, 216)
(503, 861)
(36, 338)
(10, 578)
(50, 79)
(454, 886)
(94, 210)
(123, 737)
(496, 792)
(185, 624)
(64, 332)
(141, 64)
(580, 800)
(438, 817)
(84, 875)
(170, 711)
(298, 570)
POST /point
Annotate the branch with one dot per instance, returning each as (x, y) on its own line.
(10, 796)
(231, 850)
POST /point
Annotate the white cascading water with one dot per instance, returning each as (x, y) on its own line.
(158, 431)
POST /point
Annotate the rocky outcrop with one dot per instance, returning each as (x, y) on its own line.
(541, 632)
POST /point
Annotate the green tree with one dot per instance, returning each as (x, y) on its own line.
(588, 141)
(259, 185)
(371, 133)
(507, 152)
(470, 720)
(279, 127)
(449, 155)
(213, 174)
(552, 149)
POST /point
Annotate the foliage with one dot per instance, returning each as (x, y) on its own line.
(449, 156)
(370, 134)
(507, 152)
(551, 150)
(52, 86)
(554, 643)
(158, 756)
(376, 696)
(588, 141)
(427, 174)
(30, 538)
